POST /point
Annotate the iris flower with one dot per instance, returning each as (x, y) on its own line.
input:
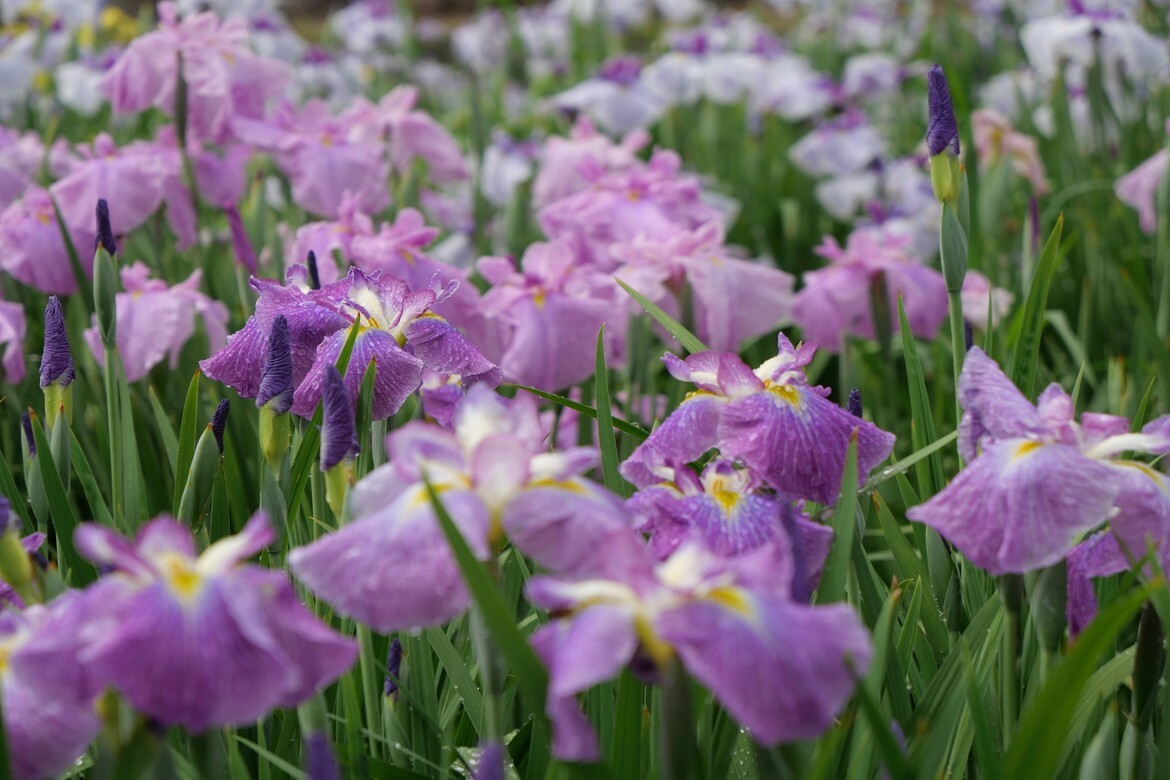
(772, 419)
(782, 669)
(391, 567)
(201, 640)
(1036, 480)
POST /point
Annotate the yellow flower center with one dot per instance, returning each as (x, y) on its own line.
(181, 575)
(1027, 447)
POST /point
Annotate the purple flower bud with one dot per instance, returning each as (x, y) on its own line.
(7, 519)
(338, 433)
(56, 360)
(241, 244)
(219, 423)
(319, 761)
(276, 380)
(26, 423)
(968, 336)
(853, 405)
(942, 131)
(314, 277)
(393, 665)
(105, 234)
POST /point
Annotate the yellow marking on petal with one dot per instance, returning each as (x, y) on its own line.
(44, 218)
(728, 500)
(633, 195)
(734, 599)
(5, 652)
(1143, 468)
(327, 140)
(538, 297)
(786, 393)
(559, 484)
(658, 650)
(1027, 447)
(181, 575)
(408, 256)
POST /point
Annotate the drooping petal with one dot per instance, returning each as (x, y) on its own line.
(993, 408)
(394, 570)
(687, 433)
(573, 736)
(397, 373)
(442, 348)
(559, 524)
(1021, 505)
(783, 670)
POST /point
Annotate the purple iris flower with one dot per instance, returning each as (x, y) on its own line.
(155, 321)
(240, 363)
(726, 510)
(653, 200)
(550, 312)
(782, 669)
(48, 695)
(391, 567)
(399, 334)
(784, 429)
(734, 300)
(837, 301)
(201, 640)
(1036, 480)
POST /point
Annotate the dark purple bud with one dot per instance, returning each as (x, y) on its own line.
(276, 380)
(968, 336)
(338, 432)
(942, 131)
(56, 360)
(491, 763)
(393, 665)
(219, 423)
(853, 405)
(7, 519)
(26, 424)
(241, 244)
(314, 277)
(319, 761)
(105, 234)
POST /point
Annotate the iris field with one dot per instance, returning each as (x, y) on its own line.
(599, 389)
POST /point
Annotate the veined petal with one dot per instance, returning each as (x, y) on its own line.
(442, 348)
(394, 570)
(797, 440)
(783, 670)
(1021, 505)
(993, 408)
(561, 524)
(687, 433)
(397, 374)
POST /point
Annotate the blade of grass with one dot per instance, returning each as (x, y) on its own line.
(844, 523)
(641, 434)
(689, 341)
(606, 439)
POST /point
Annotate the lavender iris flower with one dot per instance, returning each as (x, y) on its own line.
(201, 640)
(399, 334)
(1037, 480)
(782, 669)
(781, 427)
(391, 568)
(48, 695)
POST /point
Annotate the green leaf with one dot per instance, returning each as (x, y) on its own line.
(902, 466)
(500, 621)
(1035, 749)
(844, 522)
(93, 494)
(609, 452)
(166, 430)
(456, 668)
(639, 433)
(61, 511)
(188, 433)
(1027, 354)
(689, 341)
(626, 756)
(922, 431)
(83, 284)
